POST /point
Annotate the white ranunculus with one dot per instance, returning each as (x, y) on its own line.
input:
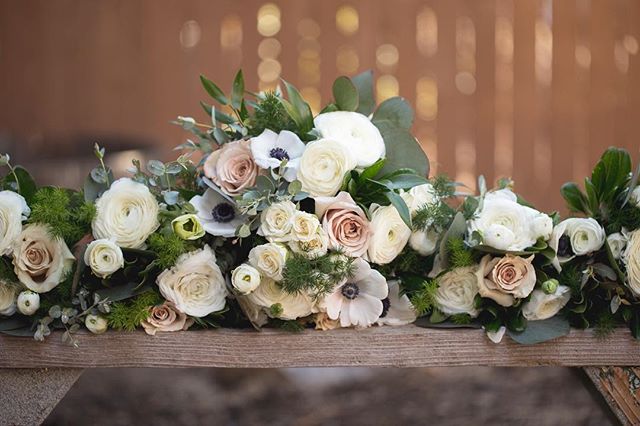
(276, 221)
(617, 243)
(28, 302)
(127, 212)
(41, 261)
(97, 324)
(305, 226)
(457, 290)
(315, 247)
(270, 149)
(355, 132)
(292, 305)
(542, 306)
(424, 242)
(635, 196)
(13, 210)
(419, 196)
(8, 296)
(585, 237)
(245, 278)
(631, 259)
(195, 284)
(104, 257)
(323, 166)
(269, 259)
(506, 225)
(390, 235)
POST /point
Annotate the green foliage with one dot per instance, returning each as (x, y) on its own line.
(408, 261)
(318, 275)
(443, 186)
(291, 326)
(423, 300)
(436, 215)
(168, 248)
(345, 94)
(6, 271)
(605, 324)
(128, 315)
(64, 212)
(628, 217)
(459, 255)
(276, 310)
(461, 319)
(571, 277)
(270, 114)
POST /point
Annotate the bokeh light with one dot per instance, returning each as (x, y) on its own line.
(347, 20)
(269, 20)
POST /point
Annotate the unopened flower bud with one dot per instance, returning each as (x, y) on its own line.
(28, 302)
(550, 286)
(96, 324)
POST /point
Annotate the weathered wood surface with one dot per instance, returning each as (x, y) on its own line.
(620, 387)
(385, 346)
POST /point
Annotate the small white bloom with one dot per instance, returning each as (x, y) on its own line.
(617, 243)
(217, 214)
(276, 221)
(305, 226)
(323, 166)
(104, 257)
(419, 196)
(245, 278)
(28, 302)
(424, 242)
(390, 235)
(398, 309)
(127, 213)
(292, 305)
(315, 247)
(269, 259)
(8, 298)
(97, 324)
(13, 210)
(584, 236)
(457, 290)
(631, 259)
(542, 306)
(355, 132)
(270, 148)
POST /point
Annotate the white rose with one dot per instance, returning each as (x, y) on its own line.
(542, 306)
(127, 213)
(104, 257)
(97, 324)
(269, 259)
(41, 261)
(631, 259)
(13, 210)
(292, 305)
(390, 235)
(245, 278)
(584, 237)
(617, 242)
(276, 221)
(305, 226)
(457, 290)
(323, 166)
(315, 247)
(28, 302)
(8, 296)
(635, 196)
(419, 196)
(195, 284)
(424, 242)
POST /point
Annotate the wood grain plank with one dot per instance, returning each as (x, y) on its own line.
(620, 388)
(408, 346)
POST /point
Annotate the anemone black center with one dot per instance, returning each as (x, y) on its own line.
(564, 246)
(223, 213)
(350, 291)
(279, 154)
(386, 304)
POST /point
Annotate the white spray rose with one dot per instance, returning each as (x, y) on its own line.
(13, 210)
(104, 257)
(127, 213)
(315, 247)
(195, 284)
(355, 132)
(617, 242)
(41, 261)
(631, 259)
(8, 296)
(323, 166)
(305, 226)
(457, 290)
(28, 302)
(97, 324)
(585, 236)
(390, 235)
(542, 306)
(424, 242)
(269, 259)
(291, 305)
(276, 221)
(245, 278)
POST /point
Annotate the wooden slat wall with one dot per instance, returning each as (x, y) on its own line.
(73, 72)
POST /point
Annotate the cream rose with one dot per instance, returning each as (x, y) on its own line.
(582, 237)
(390, 235)
(104, 257)
(165, 317)
(542, 306)
(313, 248)
(631, 259)
(276, 221)
(457, 290)
(617, 242)
(245, 278)
(41, 261)
(292, 305)
(232, 167)
(269, 259)
(323, 166)
(305, 226)
(195, 284)
(345, 223)
(13, 210)
(127, 213)
(506, 279)
(8, 298)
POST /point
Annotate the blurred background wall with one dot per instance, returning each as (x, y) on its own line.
(533, 89)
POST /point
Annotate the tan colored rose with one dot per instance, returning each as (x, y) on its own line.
(506, 279)
(232, 167)
(165, 317)
(345, 223)
(324, 323)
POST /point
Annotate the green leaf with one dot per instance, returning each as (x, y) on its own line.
(401, 206)
(457, 229)
(345, 94)
(541, 331)
(371, 171)
(610, 176)
(213, 90)
(404, 181)
(220, 116)
(27, 186)
(303, 116)
(402, 150)
(574, 197)
(237, 92)
(121, 292)
(364, 85)
(156, 167)
(632, 185)
(395, 111)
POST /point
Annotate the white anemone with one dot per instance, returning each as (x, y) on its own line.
(270, 148)
(217, 214)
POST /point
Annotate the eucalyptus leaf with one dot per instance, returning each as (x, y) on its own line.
(121, 292)
(171, 197)
(395, 111)
(400, 206)
(364, 84)
(402, 150)
(541, 331)
(156, 167)
(345, 94)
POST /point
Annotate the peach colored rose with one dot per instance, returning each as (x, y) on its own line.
(506, 279)
(345, 223)
(165, 317)
(232, 167)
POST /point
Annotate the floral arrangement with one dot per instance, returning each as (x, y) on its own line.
(274, 217)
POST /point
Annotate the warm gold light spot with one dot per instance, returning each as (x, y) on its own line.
(269, 20)
(427, 32)
(347, 59)
(307, 27)
(631, 44)
(269, 70)
(427, 98)
(466, 83)
(583, 56)
(190, 34)
(347, 20)
(313, 98)
(269, 48)
(386, 87)
(387, 57)
(231, 33)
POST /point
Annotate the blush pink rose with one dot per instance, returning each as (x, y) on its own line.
(165, 317)
(232, 167)
(345, 223)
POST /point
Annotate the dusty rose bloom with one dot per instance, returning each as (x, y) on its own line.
(165, 317)
(506, 279)
(324, 323)
(232, 167)
(345, 223)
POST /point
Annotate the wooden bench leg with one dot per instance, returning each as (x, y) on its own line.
(27, 396)
(620, 387)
